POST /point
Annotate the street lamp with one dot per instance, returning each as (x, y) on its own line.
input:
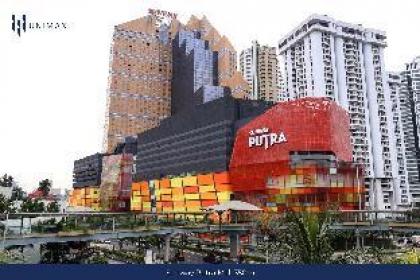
(266, 242)
(358, 164)
(219, 212)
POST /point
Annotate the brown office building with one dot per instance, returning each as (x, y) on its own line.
(140, 81)
(139, 92)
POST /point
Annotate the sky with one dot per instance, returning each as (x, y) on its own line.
(53, 84)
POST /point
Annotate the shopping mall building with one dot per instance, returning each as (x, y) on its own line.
(293, 155)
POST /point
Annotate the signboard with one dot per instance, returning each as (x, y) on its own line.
(261, 137)
(162, 16)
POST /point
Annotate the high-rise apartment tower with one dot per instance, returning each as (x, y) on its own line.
(410, 117)
(259, 66)
(401, 195)
(324, 57)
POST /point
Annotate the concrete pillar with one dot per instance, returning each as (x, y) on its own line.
(389, 116)
(289, 84)
(167, 249)
(5, 232)
(357, 233)
(308, 66)
(317, 64)
(235, 245)
(35, 256)
(148, 258)
(371, 92)
(334, 67)
(254, 71)
(368, 167)
(253, 239)
(341, 73)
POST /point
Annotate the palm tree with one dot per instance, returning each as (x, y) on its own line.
(307, 237)
(45, 186)
(296, 237)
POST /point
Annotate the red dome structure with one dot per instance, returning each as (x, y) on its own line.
(308, 124)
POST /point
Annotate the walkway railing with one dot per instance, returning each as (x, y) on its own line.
(21, 225)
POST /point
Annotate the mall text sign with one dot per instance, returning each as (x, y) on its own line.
(261, 137)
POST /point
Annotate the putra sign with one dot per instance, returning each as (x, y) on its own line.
(261, 137)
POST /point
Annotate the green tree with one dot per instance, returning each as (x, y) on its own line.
(53, 207)
(5, 258)
(410, 257)
(5, 204)
(45, 186)
(307, 233)
(372, 255)
(297, 238)
(18, 193)
(55, 253)
(6, 181)
(32, 206)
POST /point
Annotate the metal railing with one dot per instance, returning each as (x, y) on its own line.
(22, 225)
(31, 225)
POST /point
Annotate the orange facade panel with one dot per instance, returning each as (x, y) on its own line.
(165, 183)
(179, 203)
(208, 196)
(205, 179)
(222, 178)
(224, 187)
(166, 197)
(177, 191)
(206, 203)
(190, 190)
(193, 203)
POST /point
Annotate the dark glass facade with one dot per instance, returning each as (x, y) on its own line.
(200, 140)
(87, 171)
(194, 72)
